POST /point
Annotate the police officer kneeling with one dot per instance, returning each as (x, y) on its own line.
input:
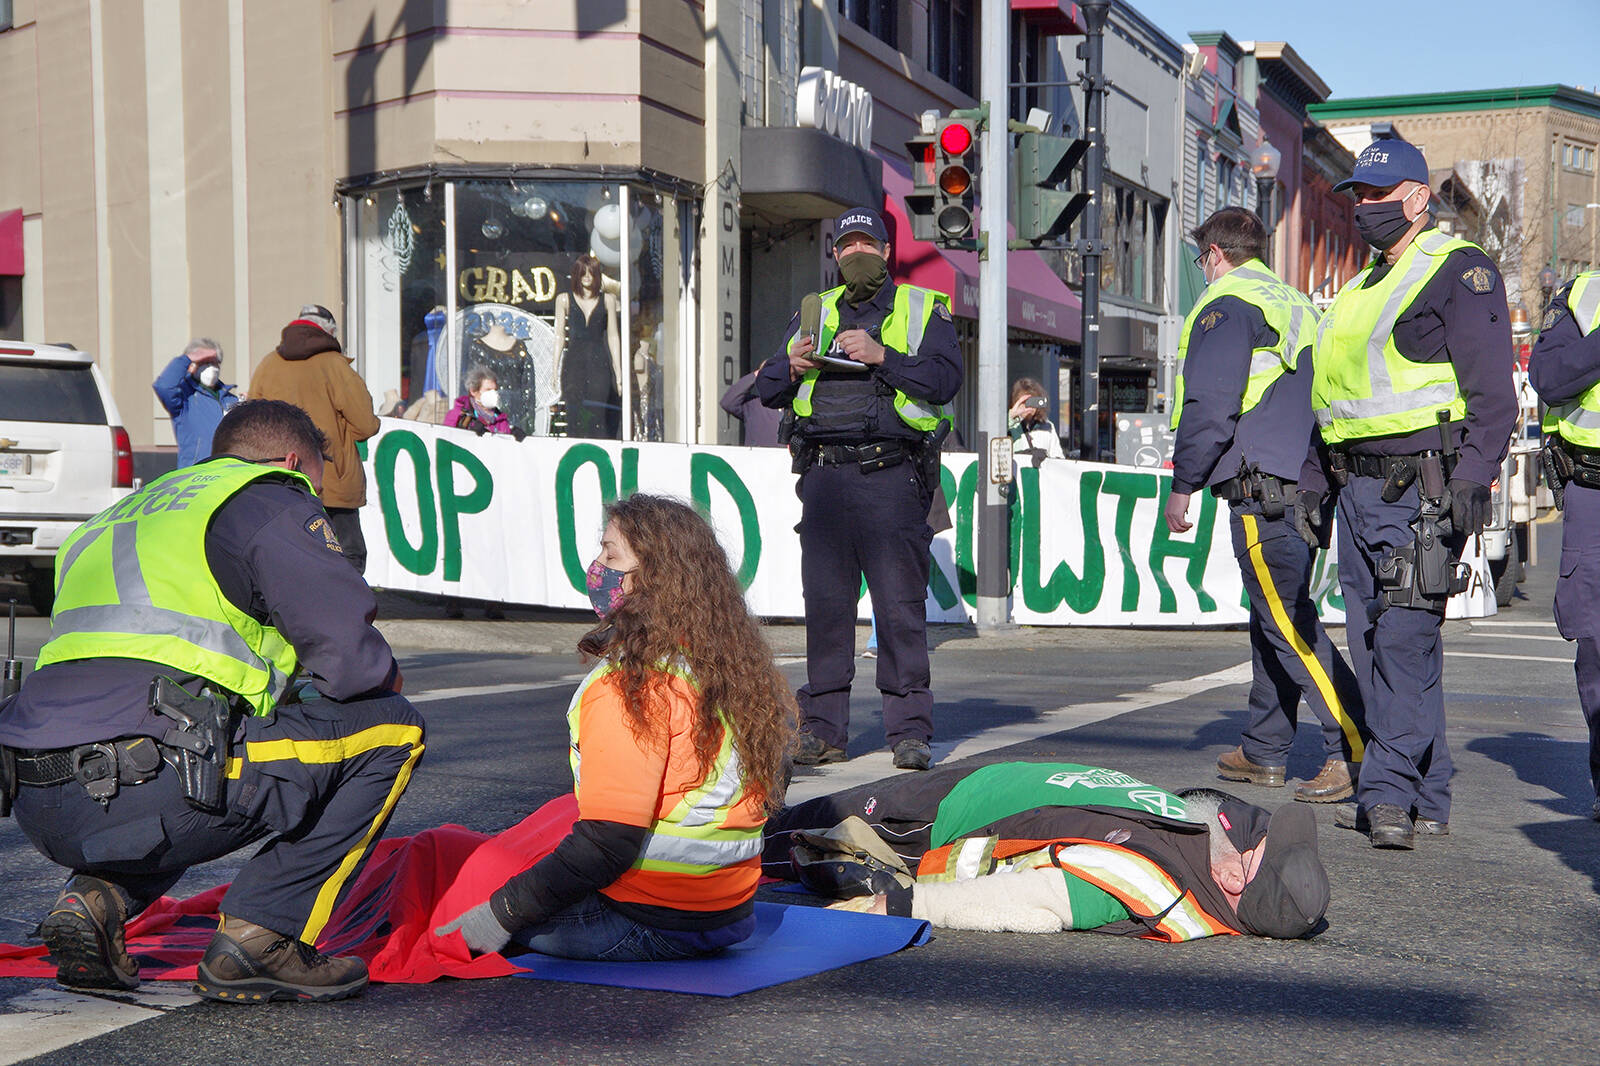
(866, 382)
(160, 729)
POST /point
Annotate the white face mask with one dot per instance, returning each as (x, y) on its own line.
(210, 375)
(489, 399)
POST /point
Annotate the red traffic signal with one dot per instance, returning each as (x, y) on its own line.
(955, 138)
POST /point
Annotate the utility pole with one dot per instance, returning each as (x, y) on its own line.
(994, 442)
(1090, 247)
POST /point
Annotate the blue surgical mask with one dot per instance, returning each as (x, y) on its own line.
(605, 587)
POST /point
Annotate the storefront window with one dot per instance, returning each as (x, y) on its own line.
(566, 293)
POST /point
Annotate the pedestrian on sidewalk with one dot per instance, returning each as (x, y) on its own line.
(311, 371)
(193, 393)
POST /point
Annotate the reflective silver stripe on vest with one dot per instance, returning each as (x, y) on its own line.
(134, 618)
(1384, 400)
(917, 307)
(1587, 309)
(65, 562)
(719, 795)
(125, 569)
(693, 851)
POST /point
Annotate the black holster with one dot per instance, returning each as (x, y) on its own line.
(1422, 573)
(1338, 468)
(1558, 466)
(198, 741)
(927, 460)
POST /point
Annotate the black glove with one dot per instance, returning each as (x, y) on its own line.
(1469, 505)
(519, 434)
(477, 427)
(1308, 516)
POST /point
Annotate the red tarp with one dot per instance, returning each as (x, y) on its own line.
(410, 885)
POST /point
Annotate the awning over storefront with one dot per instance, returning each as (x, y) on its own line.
(1053, 18)
(795, 172)
(11, 242)
(1037, 299)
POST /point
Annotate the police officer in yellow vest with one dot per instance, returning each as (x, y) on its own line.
(160, 729)
(1413, 396)
(1565, 371)
(1243, 425)
(867, 395)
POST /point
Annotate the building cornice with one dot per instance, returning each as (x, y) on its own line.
(1561, 97)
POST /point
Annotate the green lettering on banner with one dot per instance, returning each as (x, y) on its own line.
(966, 517)
(630, 472)
(1198, 552)
(704, 467)
(572, 460)
(938, 584)
(452, 505)
(421, 558)
(1082, 593)
(1129, 488)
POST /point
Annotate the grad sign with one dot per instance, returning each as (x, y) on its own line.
(490, 518)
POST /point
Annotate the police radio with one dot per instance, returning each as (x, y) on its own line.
(13, 678)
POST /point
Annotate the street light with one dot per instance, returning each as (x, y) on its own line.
(1264, 165)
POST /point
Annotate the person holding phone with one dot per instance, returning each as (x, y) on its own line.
(1033, 436)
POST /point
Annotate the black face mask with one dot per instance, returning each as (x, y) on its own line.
(864, 274)
(1382, 224)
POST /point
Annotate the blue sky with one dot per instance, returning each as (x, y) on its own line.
(1367, 49)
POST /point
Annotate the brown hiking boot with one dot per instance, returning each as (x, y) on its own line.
(1334, 782)
(1233, 766)
(248, 963)
(84, 935)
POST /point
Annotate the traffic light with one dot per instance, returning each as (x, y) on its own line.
(1039, 163)
(920, 200)
(955, 170)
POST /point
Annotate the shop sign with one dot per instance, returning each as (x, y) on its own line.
(827, 102)
(520, 279)
(519, 522)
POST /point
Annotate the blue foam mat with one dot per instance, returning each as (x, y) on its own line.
(790, 942)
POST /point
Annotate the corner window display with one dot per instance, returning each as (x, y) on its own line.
(566, 294)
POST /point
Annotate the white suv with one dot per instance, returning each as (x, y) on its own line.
(64, 457)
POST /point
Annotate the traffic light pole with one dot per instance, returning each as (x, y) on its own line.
(1090, 247)
(994, 443)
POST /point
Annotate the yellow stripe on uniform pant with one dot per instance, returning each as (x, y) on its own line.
(336, 750)
(1313, 665)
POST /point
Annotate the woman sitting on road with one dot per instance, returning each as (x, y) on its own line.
(679, 740)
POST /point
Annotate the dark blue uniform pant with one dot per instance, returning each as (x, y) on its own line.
(874, 524)
(1577, 604)
(1289, 650)
(1397, 656)
(318, 780)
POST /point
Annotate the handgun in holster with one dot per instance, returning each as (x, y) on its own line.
(198, 740)
(1338, 468)
(1272, 494)
(1558, 466)
(927, 461)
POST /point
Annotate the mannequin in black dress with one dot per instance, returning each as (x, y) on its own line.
(586, 347)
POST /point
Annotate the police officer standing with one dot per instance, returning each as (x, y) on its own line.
(160, 729)
(867, 394)
(1565, 371)
(1243, 425)
(1413, 396)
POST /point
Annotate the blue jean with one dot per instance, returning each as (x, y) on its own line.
(589, 929)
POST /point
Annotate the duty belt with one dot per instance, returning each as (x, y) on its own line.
(1382, 466)
(884, 452)
(99, 767)
(1249, 486)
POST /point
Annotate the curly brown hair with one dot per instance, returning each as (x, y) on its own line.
(685, 601)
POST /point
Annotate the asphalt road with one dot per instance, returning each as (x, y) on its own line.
(1478, 947)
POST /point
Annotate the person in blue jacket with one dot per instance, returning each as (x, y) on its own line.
(192, 391)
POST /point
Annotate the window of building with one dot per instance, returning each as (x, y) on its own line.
(1577, 157)
(877, 17)
(1133, 225)
(450, 275)
(950, 33)
(752, 64)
